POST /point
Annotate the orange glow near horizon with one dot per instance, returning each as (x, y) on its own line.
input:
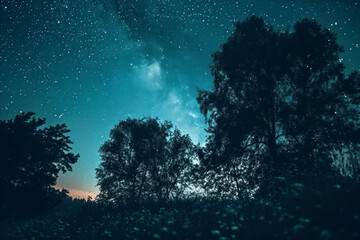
(74, 193)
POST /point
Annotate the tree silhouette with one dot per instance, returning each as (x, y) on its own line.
(31, 159)
(144, 159)
(280, 106)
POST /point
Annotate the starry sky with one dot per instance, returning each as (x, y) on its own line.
(92, 63)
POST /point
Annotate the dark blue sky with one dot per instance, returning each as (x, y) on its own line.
(90, 64)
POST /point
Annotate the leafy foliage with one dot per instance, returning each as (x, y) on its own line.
(280, 106)
(144, 159)
(282, 116)
(316, 218)
(31, 159)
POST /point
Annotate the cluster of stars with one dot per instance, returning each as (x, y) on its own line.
(92, 62)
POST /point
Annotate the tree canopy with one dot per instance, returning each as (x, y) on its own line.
(280, 106)
(144, 159)
(31, 158)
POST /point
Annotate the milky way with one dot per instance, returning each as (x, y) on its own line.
(90, 64)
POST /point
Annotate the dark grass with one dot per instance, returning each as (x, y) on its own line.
(334, 215)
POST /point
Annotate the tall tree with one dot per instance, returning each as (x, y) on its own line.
(280, 99)
(144, 159)
(31, 158)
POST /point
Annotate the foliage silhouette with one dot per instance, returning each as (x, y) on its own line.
(281, 107)
(143, 160)
(31, 159)
(282, 115)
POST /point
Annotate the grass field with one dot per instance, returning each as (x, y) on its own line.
(336, 218)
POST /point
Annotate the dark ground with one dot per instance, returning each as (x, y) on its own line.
(334, 215)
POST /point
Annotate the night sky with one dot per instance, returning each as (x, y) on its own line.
(90, 64)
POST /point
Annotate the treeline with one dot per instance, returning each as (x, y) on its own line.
(281, 115)
(283, 126)
(31, 157)
(143, 160)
